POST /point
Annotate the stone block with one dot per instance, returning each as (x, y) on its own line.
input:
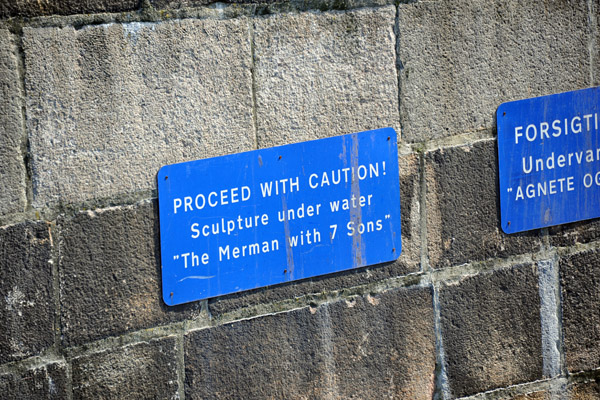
(33, 8)
(145, 370)
(491, 330)
(110, 274)
(408, 262)
(459, 60)
(324, 74)
(108, 105)
(463, 208)
(584, 391)
(27, 307)
(368, 347)
(12, 165)
(575, 233)
(48, 382)
(580, 288)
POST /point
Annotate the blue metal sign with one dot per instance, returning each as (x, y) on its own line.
(269, 216)
(549, 160)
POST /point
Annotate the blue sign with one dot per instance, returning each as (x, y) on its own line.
(549, 160)
(269, 216)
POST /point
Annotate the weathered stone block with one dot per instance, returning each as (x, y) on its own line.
(461, 59)
(491, 330)
(33, 8)
(369, 347)
(47, 382)
(584, 391)
(320, 75)
(580, 287)
(12, 166)
(408, 262)
(575, 233)
(463, 210)
(109, 105)
(542, 395)
(140, 371)
(26, 296)
(110, 274)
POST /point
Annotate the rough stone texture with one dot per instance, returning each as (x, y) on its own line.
(585, 391)
(575, 233)
(110, 274)
(12, 166)
(461, 59)
(34, 8)
(533, 396)
(491, 330)
(26, 305)
(47, 382)
(580, 287)
(140, 371)
(410, 210)
(463, 210)
(370, 347)
(320, 75)
(594, 46)
(408, 262)
(109, 105)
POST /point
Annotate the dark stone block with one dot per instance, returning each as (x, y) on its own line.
(409, 261)
(32, 8)
(141, 371)
(575, 233)
(463, 208)
(27, 309)
(580, 288)
(542, 395)
(110, 274)
(491, 330)
(585, 391)
(368, 347)
(44, 383)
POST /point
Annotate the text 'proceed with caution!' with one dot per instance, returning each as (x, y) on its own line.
(269, 216)
(549, 160)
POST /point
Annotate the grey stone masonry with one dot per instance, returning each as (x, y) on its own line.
(463, 221)
(585, 391)
(32, 8)
(575, 233)
(26, 295)
(12, 165)
(491, 330)
(110, 274)
(109, 105)
(320, 75)
(580, 288)
(461, 59)
(48, 382)
(145, 370)
(368, 347)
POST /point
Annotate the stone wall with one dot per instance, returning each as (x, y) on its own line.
(97, 95)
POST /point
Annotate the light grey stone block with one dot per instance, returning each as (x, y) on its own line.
(12, 166)
(320, 75)
(109, 105)
(461, 59)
